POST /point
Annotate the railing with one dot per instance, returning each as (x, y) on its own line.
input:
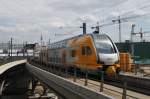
(101, 85)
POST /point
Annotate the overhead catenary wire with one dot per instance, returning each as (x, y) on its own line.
(121, 20)
(125, 19)
(110, 23)
(67, 33)
(133, 16)
(132, 11)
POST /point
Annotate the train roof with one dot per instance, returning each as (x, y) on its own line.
(81, 35)
(63, 42)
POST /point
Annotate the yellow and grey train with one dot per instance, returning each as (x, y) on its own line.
(91, 52)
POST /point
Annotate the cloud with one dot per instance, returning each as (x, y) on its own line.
(27, 19)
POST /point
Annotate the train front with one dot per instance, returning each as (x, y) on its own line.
(107, 54)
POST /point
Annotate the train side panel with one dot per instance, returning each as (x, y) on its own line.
(83, 53)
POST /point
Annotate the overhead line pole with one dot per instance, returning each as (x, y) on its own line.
(41, 40)
(11, 48)
(49, 41)
(84, 28)
(141, 34)
(119, 21)
(26, 49)
(132, 44)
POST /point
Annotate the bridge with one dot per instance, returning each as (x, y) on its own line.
(66, 88)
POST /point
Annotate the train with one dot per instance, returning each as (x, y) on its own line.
(92, 52)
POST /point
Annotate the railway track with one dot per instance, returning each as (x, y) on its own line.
(139, 85)
(132, 84)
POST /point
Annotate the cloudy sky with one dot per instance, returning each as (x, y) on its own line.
(26, 20)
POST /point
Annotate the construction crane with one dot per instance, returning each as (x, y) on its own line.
(120, 20)
(141, 33)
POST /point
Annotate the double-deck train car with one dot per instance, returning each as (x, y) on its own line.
(91, 52)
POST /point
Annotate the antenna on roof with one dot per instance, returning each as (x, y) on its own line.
(96, 28)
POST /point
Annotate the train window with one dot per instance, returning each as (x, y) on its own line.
(73, 53)
(86, 50)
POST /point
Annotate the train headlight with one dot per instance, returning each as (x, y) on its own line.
(117, 62)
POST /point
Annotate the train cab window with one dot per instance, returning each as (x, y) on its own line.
(86, 50)
(104, 47)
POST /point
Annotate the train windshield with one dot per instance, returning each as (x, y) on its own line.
(103, 45)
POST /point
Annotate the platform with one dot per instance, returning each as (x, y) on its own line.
(7, 66)
(67, 88)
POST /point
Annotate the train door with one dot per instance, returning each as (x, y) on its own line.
(63, 57)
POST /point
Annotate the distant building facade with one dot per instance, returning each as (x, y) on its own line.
(17, 49)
